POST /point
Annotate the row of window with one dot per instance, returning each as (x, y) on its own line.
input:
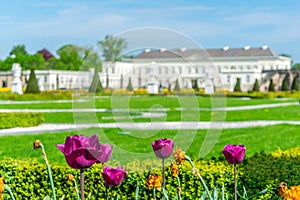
(230, 79)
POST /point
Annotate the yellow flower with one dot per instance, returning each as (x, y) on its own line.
(154, 181)
(179, 155)
(289, 194)
(174, 169)
(36, 144)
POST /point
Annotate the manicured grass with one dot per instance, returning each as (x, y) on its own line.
(137, 144)
(149, 102)
(278, 113)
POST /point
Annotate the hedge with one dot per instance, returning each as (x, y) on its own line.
(11, 120)
(55, 95)
(29, 179)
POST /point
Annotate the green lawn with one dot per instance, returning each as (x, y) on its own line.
(137, 144)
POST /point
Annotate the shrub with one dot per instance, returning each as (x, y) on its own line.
(11, 120)
(129, 86)
(96, 85)
(57, 95)
(271, 86)
(295, 84)
(255, 86)
(237, 87)
(32, 85)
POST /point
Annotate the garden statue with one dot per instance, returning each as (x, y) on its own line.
(16, 86)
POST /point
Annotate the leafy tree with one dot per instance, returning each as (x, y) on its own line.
(256, 86)
(112, 47)
(129, 86)
(96, 85)
(32, 85)
(271, 86)
(285, 86)
(237, 87)
(177, 88)
(18, 50)
(295, 84)
(296, 66)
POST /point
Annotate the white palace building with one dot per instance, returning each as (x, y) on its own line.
(210, 68)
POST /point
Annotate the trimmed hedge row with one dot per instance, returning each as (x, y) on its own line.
(11, 120)
(57, 95)
(28, 179)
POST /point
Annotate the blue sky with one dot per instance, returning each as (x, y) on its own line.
(213, 24)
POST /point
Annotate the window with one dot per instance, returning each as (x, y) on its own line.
(248, 78)
(166, 70)
(45, 79)
(228, 78)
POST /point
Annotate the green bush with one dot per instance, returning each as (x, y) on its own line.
(32, 85)
(237, 87)
(11, 120)
(96, 85)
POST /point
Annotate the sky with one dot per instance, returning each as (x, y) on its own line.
(51, 24)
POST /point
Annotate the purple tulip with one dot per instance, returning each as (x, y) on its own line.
(113, 176)
(82, 152)
(234, 154)
(163, 148)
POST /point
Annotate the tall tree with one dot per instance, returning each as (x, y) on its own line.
(112, 47)
(256, 86)
(32, 85)
(237, 87)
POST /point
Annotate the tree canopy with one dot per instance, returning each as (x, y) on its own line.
(112, 47)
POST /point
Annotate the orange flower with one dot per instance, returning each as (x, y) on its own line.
(179, 155)
(289, 194)
(174, 169)
(154, 181)
(36, 144)
(70, 177)
(1, 187)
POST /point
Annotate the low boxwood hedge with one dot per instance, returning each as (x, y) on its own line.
(11, 120)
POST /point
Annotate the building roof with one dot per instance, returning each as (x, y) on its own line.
(214, 53)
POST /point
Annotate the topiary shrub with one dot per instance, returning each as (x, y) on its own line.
(32, 85)
(295, 84)
(237, 87)
(129, 86)
(177, 88)
(285, 86)
(96, 85)
(271, 86)
(256, 86)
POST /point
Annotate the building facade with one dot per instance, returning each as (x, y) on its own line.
(208, 69)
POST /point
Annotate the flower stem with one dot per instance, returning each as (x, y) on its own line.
(154, 193)
(9, 191)
(195, 171)
(82, 184)
(163, 173)
(235, 192)
(76, 190)
(49, 171)
(179, 188)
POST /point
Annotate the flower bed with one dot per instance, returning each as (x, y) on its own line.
(11, 120)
